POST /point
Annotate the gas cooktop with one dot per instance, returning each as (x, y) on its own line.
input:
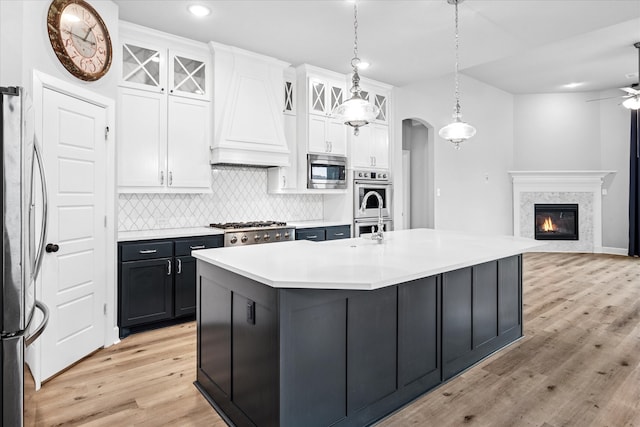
(255, 232)
(250, 224)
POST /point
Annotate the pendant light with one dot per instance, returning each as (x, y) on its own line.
(457, 131)
(356, 111)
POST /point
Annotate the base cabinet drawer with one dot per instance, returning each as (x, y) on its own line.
(314, 234)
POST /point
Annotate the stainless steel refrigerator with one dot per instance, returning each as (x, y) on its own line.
(22, 182)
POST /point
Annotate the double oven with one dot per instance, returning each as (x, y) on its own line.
(365, 220)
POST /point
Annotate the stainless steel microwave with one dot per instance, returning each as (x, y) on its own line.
(325, 171)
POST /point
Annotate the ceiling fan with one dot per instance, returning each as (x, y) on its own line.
(632, 98)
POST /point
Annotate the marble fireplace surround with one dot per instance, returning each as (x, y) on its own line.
(581, 187)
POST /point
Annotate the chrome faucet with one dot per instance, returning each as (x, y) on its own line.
(378, 236)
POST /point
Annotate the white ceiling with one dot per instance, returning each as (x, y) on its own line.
(520, 46)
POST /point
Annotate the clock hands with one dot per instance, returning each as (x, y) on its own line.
(80, 38)
(89, 32)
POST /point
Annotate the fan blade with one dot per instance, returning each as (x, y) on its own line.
(610, 97)
(631, 90)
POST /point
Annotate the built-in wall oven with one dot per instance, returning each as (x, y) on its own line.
(365, 221)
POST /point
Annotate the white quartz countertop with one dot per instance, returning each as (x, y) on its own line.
(360, 263)
(167, 233)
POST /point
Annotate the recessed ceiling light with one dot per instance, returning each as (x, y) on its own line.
(573, 85)
(199, 10)
(363, 65)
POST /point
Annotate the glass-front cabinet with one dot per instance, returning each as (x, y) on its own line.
(164, 114)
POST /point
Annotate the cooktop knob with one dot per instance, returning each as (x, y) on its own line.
(384, 175)
(266, 237)
(360, 174)
(286, 235)
(233, 239)
(277, 236)
(244, 239)
(256, 237)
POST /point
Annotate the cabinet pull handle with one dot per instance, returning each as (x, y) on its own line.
(179, 271)
(375, 161)
(161, 177)
(284, 181)
(196, 247)
(330, 147)
(338, 234)
(168, 267)
(312, 237)
(148, 251)
(170, 178)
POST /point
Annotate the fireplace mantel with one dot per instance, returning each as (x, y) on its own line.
(529, 185)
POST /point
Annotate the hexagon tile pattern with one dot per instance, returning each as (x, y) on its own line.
(239, 194)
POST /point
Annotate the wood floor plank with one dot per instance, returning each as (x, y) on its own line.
(578, 365)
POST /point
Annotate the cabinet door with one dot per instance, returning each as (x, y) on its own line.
(380, 101)
(146, 291)
(188, 75)
(336, 96)
(142, 135)
(185, 286)
(188, 144)
(317, 134)
(380, 146)
(361, 148)
(143, 66)
(317, 97)
(337, 137)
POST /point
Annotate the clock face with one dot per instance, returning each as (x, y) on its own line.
(79, 38)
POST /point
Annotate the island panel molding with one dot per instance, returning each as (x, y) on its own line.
(581, 187)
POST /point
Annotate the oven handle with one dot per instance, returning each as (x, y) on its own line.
(374, 184)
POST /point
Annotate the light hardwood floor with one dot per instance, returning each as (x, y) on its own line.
(578, 365)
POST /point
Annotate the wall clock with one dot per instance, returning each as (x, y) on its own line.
(79, 38)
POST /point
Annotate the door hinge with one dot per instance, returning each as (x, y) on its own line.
(106, 133)
(104, 309)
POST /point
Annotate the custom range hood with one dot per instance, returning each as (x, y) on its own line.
(248, 105)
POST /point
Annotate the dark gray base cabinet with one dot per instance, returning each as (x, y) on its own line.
(318, 234)
(157, 280)
(303, 357)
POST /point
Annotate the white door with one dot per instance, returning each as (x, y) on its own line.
(380, 146)
(74, 277)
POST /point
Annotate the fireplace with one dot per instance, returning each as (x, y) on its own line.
(556, 221)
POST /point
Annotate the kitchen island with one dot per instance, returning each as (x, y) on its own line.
(342, 333)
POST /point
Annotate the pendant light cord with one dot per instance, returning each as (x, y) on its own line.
(355, 61)
(457, 91)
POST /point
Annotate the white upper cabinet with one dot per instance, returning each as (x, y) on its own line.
(163, 122)
(370, 149)
(283, 179)
(248, 108)
(317, 127)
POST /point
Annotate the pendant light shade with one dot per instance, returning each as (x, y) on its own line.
(457, 131)
(356, 111)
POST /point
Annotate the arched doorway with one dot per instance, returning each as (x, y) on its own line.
(418, 174)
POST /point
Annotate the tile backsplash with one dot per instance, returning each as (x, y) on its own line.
(239, 194)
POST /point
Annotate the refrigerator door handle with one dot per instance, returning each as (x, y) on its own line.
(35, 334)
(45, 209)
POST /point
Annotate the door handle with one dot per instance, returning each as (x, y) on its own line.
(51, 247)
(35, 334)
(45, 209)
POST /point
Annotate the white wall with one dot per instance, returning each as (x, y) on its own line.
(564, 132)
(10, 43)
(557, 132)
(468, 201)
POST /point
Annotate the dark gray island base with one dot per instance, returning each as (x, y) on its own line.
(313, 357)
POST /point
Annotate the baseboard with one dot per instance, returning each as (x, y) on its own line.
(613, 251)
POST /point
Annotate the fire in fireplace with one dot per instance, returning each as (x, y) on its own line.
(556, 221)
